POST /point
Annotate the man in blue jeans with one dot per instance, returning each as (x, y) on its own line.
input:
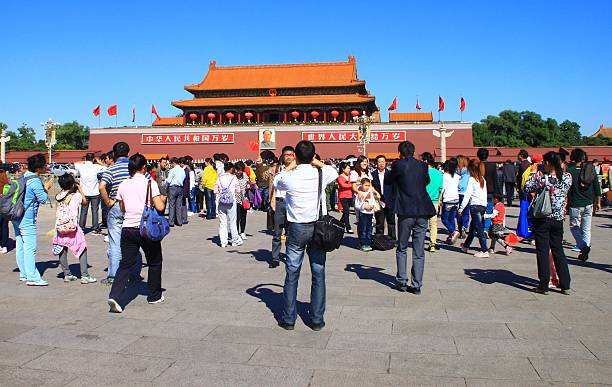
(111, 178)
(300, 181)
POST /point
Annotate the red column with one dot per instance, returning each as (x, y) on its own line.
(285, 118)
(258, 117)
(220, 117)
(305, 117)
(324, 116)
(238, 117)
(203, 119)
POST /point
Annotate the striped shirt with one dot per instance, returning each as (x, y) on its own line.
(114, 175)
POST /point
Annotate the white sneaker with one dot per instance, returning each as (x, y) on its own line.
(236, 244)
(223, 245)
(161, 299)
(114, 306)
(3, 250)
(87, 279)
(243, 236)
(189, 213)
(106, 238)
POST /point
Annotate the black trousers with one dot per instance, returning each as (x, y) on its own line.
(548, 236)
(386, 214)
(131, 243)
(346, 208)
(241, 215)
(509, 193)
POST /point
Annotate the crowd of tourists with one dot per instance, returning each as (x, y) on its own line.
(394, 203)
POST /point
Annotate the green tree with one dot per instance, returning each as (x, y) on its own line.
(24, 139)
(570, 133)
(72, 135)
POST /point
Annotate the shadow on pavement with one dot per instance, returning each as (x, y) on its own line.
(274, 301)
(590, 264)
(491, 276)
(371, 273)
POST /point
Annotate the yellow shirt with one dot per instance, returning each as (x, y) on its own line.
(209, 177)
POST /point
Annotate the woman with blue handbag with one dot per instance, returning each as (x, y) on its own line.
(132, 195)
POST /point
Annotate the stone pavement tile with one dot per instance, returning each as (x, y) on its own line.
(557, 348)
(270, 336)
(392, 343)
(108, 382)
(9, 330)
(478, 315)
(14, 354)
(226, 318)
(554, 331)
(574, 371)
(327, 359)
(601, 347)
(452, 328)
(74, 339)
(506, 293)
(511, 383)
(426, 313)
(370, 379)
(342, 324)
(187, 349)
(169, 329)
(463, 366)
(193, 372)
(89, 363)
(569, 317)
(360, 301)
(13, 376)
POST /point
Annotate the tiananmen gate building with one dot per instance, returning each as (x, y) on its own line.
(233, 106)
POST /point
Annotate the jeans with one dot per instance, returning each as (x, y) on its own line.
(386, 214)
(476, 227)
(94, 202)
(227, 218)
(509, 193)
(449, 214)
(175, 204)
(548, 235)
(433, 227)
(299, 236)
(241, 216)
(365, 229)
(463, 221)
(115, 222)
(346, 210)
(417, 228)
(104, 222)
(199, 199)
(4, 232)
(131, 243)
(211, 208)
(580, 225)
(25, 238)
(265, 193)
(192, 201)
(280, 223)
(490, 205)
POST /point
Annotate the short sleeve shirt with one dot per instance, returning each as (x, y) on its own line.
(133, 192)
(115, 175)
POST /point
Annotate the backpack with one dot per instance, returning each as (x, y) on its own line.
(226, 196)
(587, 176)
(153, 226)
(65, 221)
(12, 198)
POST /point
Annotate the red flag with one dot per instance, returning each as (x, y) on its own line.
(462, 106)
(154, 111)
(418, 107)
(112, 110)
(440, 104)
(96, 111)
(133, 113)
(393, 105)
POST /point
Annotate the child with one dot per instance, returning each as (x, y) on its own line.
(498, 226)
(68, 234)
(365, 203)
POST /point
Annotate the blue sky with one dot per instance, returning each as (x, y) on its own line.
(61, 59)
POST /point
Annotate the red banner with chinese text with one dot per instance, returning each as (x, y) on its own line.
(188, 138)
(353, 136)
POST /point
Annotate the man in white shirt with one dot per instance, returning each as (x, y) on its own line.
(301, 182)
(174, 184)
(88, 173)
(280, 208)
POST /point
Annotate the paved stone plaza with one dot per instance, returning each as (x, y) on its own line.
(475, 323)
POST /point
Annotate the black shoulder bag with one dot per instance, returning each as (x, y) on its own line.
(329, 231)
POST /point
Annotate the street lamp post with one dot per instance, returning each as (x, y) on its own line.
(364, 132)
(443, 134)
(3, 140)
(50, 128)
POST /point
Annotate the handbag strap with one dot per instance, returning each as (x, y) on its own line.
(149, 196)
(319, 208)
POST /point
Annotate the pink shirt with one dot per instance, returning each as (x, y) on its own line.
(226, 180)
(132, 192)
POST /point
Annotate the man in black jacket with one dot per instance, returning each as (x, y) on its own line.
(382, 185)
(413, 207)
(509, 181)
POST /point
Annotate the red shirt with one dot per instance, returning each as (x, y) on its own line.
(345, 187)
(501, 213)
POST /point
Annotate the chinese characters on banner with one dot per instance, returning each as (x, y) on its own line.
(188, 138)
(353, 136)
